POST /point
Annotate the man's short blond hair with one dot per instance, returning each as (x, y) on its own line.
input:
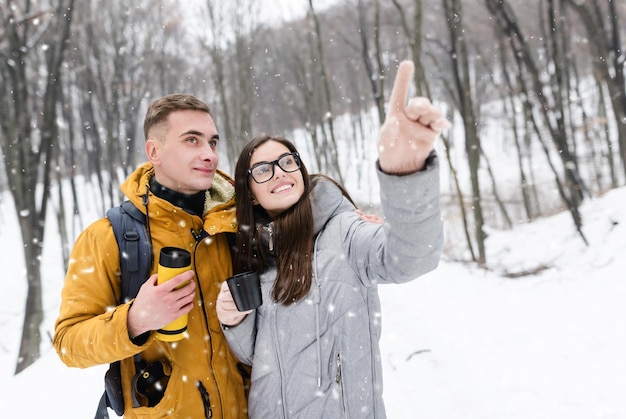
(159, 110)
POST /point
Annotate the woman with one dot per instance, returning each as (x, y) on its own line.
(314, 342)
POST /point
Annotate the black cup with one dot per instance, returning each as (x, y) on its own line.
(246, 290)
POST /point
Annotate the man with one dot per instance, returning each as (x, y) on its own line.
(190, 204)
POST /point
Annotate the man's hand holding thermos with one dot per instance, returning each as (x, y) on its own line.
(165, 298)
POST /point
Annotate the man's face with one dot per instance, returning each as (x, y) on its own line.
(184, 151)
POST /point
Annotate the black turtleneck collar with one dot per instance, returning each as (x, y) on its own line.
(193, 204)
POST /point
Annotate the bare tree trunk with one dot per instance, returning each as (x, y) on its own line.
(461, 75)
(379, 62)
(232, 62)
(527, 137)
(521, 52)
(608, 54)
(587, 128)
(525, 185)
(607, 137)
(460, 197)
(373, 75)
(62, 222)
(414, 38)
(29, 155)
(219, 78)
(422, 87)
(560, 89)
(571, 207)
(494, 189)
(331, 150)
(70, 156)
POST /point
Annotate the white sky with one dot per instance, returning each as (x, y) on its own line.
(291, 8)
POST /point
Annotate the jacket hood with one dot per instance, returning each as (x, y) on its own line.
(327, 200)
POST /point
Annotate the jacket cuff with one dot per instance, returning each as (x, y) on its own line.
(428, 164)
(141, 339)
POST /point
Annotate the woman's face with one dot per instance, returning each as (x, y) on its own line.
(283, 189)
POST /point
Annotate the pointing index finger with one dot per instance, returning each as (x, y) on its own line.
(400, 91)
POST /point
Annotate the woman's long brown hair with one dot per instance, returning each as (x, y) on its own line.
(292, 235)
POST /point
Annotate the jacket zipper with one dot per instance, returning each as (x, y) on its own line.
(270, 231)
(340, 383)
(278, 360)
(206, 399)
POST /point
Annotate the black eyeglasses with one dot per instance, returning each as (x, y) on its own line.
(262, 172)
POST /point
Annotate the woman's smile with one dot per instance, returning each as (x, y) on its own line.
(282, 187)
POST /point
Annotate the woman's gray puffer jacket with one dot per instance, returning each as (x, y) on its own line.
(320, 357)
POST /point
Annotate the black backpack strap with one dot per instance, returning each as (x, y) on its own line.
(135, 246)
(133, 240)
(102, 412)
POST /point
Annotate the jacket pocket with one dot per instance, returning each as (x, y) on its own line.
(150, 383)
(167, 404)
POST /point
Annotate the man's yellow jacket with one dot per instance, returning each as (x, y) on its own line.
(92, 325)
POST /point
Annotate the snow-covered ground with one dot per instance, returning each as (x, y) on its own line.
(460, 342)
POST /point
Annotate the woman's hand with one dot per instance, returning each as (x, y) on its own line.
(227, 309)
(407, 136)
(373, 218)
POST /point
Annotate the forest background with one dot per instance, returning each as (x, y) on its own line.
(544, 76)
